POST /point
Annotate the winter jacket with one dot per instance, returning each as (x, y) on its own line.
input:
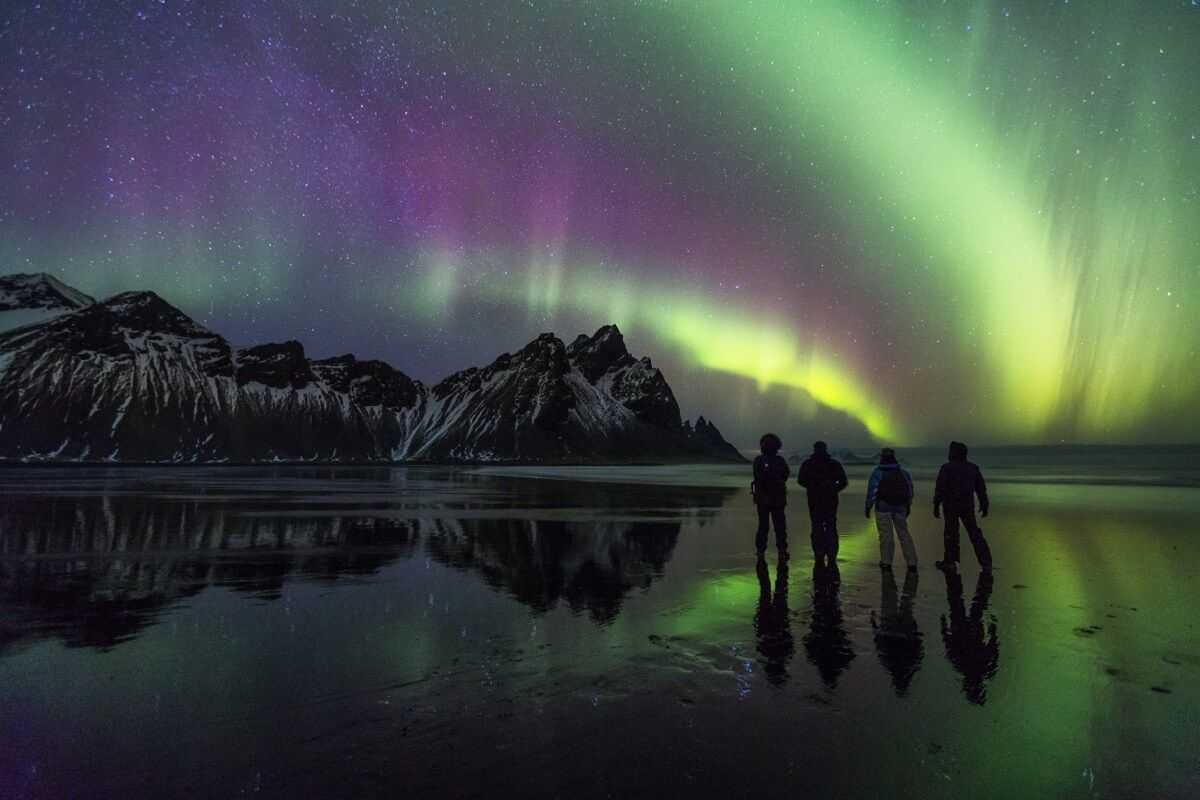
(877, 503)
(824, 478)
(959, 482)
(770, 481)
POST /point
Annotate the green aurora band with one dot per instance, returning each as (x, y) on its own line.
(1039, 205)
(1068, 269)
(1020, 194)
(758, 347)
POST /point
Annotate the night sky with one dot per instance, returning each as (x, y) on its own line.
(900, 221)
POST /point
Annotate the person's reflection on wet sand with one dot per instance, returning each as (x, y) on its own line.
(826, 643)
(972, 648)
(897, 637)
(772, 623)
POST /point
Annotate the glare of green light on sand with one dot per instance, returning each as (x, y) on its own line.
(727, 599)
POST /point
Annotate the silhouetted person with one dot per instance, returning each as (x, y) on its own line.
(958, 483)
(769, 490)
(826, 643)
(824, 478)
(897, 636)
(890, 493)
(972, 649)
(772, 623)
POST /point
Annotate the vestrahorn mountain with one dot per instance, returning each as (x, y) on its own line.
(134, 379)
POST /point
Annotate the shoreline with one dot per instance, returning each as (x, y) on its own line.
(654, 472)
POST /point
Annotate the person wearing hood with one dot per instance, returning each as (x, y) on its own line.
(890, 493)
(823, 477)
(959, 482)
(769, 491)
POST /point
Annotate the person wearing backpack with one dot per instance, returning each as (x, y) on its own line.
(769, 490)
(890, 493)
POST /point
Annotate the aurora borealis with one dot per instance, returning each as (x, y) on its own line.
(894, 220)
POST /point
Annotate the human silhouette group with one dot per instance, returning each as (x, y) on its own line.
(970, 639)
(889, 495)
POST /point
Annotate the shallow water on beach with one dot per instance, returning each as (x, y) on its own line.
(338, 632)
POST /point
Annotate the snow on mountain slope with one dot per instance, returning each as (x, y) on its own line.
(134, 379)
(29, 299)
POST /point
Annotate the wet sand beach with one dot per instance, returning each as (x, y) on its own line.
(338, 632)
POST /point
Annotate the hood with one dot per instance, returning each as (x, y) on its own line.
(769, 444)
(958, 451)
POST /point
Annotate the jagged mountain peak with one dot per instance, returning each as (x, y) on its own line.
(31, 298)
(547, 343)
(39, 290)
(599, 353)
(275, 364)
(344, 358)
(603, 359)
(370, 382)
(136, 302)
(134, 299)
(605, 334)
(124, 325)
(547, 351)
(135, 379)
(546, 347)
(149, 312)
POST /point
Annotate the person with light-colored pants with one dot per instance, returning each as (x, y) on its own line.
(885, 523)
(890, 496)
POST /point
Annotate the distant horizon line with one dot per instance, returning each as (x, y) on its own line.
(876, 447)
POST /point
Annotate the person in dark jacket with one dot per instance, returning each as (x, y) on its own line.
(959, 482)
(823, 477)
(890, 494)
(769, 490)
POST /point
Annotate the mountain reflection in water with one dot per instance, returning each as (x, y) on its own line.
(95, 568)
(337, 632)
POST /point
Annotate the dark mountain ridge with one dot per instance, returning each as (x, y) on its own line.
(134, 379)
(27, 299)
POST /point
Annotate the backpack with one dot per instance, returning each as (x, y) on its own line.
(893, 488)
(773, 468)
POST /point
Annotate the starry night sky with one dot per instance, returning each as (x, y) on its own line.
(899, 221)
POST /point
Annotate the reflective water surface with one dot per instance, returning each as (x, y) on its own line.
(335, 632)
